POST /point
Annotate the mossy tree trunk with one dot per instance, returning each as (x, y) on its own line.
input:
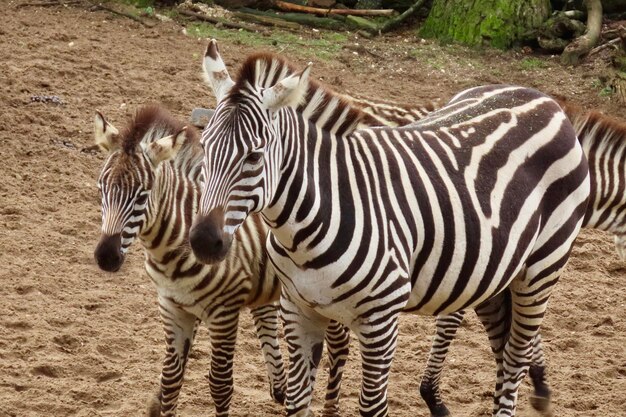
(499, 23)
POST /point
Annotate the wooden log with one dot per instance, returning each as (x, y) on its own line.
(290, 7)
(330, 22)
(397, 21)
(215, 20)
(267, 20)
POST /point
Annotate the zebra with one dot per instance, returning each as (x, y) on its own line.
(603, 140)
(357, 214)
(150, 188)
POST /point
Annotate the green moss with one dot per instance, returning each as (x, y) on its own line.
(326, 47)
(497, 23)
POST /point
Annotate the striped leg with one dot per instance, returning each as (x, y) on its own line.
(179, 331)
(378, 345)
(266, 323)
(540, 400)
(338, 347)
(223, 333)
(529, 299)
(495, 315)
(305, 339)
(429, 388)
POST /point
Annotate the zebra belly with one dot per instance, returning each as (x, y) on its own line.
(316, 289)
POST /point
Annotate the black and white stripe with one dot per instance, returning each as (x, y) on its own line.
(485, 194)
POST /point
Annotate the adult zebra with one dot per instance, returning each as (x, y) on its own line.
(150, 186)
(487, 192)
(603, 140)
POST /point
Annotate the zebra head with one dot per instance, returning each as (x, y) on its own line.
(242, 153)
(125, 183)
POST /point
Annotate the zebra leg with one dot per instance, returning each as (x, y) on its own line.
(338, 347)
(304, 333)
(223, 333)
(179, 331)
(541, 399)
(529, 299)
(378, 345)
(266, 323)
(495, 316)
(446, 327)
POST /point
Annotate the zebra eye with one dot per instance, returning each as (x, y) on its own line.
(254, 158)
(142, 197)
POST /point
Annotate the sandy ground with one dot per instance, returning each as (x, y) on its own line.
(75, 341)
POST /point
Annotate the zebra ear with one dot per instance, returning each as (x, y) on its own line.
(106, 135)
(289, 92)
(215, 71)
(166, 148)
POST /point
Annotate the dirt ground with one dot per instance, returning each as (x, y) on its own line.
(75, 341)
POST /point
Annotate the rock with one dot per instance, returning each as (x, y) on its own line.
(200, 117)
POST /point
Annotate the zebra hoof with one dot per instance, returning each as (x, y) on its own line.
(154, 407)
(440, 411)
(541, 404)
(278, 395)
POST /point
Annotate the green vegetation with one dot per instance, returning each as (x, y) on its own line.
(325, 47)
(531, 63)
(140, 4)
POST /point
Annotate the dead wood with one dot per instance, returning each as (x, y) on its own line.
(217, 21)
(291, 7)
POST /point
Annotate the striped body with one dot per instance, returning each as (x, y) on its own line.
(153, 199)
(487, 193)
(604, 143)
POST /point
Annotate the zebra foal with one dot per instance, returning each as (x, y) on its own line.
(149, 186)
(487, 193)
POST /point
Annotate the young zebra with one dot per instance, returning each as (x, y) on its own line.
(487, 193)
(150, 186)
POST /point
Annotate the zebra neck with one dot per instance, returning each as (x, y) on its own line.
(173, 200)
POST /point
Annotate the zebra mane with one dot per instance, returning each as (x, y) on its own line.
(595, 126)
(322, 106)
(153, 122)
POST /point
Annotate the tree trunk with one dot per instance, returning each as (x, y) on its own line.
(499, 23)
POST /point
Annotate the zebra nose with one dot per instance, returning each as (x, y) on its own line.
(207, 240)
(108, 253)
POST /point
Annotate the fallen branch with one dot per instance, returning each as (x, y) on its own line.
(100, 6)
(48, 3)
(291, 7)
(397, 21)
(603, 46)
(217, 21)
(582, 45)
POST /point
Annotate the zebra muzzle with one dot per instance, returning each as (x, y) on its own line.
(207, 238)
(108, 253)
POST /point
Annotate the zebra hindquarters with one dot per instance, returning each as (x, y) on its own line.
(446, 327)
(266, 323)
(179, 327)
(338, 348)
